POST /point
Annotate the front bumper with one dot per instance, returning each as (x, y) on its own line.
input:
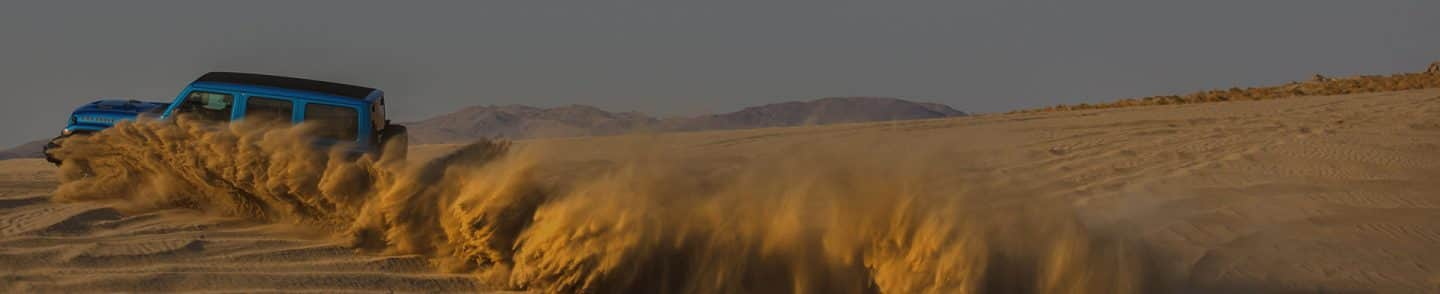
(50, 150)
(55, 143)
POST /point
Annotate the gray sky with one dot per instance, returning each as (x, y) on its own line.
(690, 57)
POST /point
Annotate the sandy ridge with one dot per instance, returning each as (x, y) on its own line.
(1334, 193)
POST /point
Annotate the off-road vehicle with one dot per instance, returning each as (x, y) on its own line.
(343, 113)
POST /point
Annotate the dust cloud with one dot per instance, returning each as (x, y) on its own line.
(807, 222)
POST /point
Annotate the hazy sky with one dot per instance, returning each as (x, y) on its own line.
(689, 57)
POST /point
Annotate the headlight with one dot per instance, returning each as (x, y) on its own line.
(66, 132)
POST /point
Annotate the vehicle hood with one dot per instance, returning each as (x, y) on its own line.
(121, 107)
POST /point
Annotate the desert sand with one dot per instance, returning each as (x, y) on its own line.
(1309, 194)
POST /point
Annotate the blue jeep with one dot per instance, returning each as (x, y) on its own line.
(99, 115)
(345, 113)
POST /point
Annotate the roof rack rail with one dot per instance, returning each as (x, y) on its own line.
(338, 89)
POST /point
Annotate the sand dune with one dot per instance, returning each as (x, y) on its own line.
(89, 247)
(1333, 194)
(525, 122)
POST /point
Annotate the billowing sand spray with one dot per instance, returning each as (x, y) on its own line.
(808, 222)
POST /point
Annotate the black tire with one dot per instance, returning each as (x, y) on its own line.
(394, 142)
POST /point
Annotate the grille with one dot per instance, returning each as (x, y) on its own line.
(95, 119)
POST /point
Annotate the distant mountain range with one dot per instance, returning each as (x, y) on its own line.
(28, 150)
(518, 122)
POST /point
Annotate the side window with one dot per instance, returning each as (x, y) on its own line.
(207, 106)
(268, 109)
(333, 122)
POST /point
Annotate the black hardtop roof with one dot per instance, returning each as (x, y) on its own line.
(338, 89)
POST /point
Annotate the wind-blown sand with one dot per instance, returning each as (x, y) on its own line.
(1336, 193)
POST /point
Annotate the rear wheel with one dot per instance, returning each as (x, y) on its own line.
(394, 142)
